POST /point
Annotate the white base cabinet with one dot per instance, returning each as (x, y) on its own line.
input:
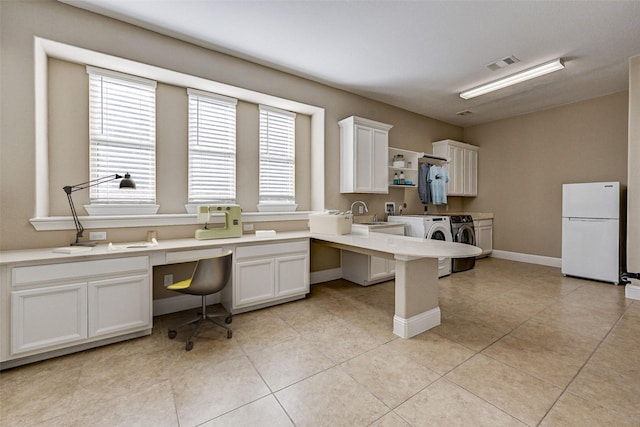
(268, 274)
(366, 270)
(47, 317)
(484, 236)
(54, 306)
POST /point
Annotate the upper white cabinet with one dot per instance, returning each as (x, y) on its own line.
(463, 166)
(363, 156)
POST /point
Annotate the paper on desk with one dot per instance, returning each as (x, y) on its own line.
(132, 245)
(72, 249)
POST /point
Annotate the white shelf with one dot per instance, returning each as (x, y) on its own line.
(410, 173)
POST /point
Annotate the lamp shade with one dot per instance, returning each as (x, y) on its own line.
(127, 182)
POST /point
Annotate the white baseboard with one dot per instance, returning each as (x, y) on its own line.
(325, 275)
(181, 302)
(632, 291)
(407, 328)
(531, 259)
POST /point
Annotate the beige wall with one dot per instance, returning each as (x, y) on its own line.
(49, 19)
(633, 199)
(69, 152)
(525, 160)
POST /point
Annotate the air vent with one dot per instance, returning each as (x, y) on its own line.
(464, 113)
(501, 63)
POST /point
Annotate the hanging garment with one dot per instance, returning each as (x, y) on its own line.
(424, 188)
(439, 177)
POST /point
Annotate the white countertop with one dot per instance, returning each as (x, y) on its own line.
(102, 250)
(397, 245)
(413, 247)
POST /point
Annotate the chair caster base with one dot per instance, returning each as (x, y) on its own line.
(172, 334)
(189, 346)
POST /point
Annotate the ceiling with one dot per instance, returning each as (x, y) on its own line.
(416, 55)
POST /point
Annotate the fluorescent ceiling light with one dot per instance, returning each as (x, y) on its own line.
(531, 73)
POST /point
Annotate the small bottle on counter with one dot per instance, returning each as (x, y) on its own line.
(401, 180)
(396, 180)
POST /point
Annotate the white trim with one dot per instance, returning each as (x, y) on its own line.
(632, 291)
(212, 96)
(407, 328)
(531, 259)
(44, 49)
(122, 76)
(52, 223)
(322, 276)
(287, 113)
(102, 209)
(180, 303)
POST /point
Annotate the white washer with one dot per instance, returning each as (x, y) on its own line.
(428, 227)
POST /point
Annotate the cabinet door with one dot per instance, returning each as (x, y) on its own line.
(484, 236)
(292, 275)
(119, 304)
(378, 268)
(456, 171)
(363, 167)
(48, 317)
(254, 281)
(470, 173)
(380, 169)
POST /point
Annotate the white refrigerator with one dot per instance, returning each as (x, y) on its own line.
(591, 231)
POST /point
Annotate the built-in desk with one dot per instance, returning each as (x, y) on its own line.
(416, 281)
(54, 303)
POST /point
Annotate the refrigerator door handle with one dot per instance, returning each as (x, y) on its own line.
(589, 219)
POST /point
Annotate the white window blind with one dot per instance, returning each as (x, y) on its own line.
(212, 148)
(122, 128)
(277, 156)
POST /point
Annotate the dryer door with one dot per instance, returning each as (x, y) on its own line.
(466, 235)
(438, 232)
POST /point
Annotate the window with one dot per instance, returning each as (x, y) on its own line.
(212, 148)
(122, 136)
(277, 157)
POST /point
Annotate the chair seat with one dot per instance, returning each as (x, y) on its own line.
(180, 285)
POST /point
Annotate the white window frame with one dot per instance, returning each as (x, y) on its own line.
(212, 149)
(122, 139)
(277, 160)
(43, 221)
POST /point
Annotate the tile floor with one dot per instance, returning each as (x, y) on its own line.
(519, 345)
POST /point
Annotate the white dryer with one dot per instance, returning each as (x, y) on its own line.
(428, 227)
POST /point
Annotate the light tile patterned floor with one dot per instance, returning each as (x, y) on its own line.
(519, 344)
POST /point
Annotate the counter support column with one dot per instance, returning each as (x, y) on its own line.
(416, 293)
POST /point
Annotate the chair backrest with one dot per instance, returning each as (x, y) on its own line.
(211, 275)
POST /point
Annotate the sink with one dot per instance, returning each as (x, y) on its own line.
(378, 227)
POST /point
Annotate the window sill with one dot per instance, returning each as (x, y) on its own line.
(52, 223)
(275, 207)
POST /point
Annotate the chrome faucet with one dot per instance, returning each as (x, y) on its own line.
(364, 205)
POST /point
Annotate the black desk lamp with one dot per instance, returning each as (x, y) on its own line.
(126, 182)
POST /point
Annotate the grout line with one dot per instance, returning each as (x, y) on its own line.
(564, 390)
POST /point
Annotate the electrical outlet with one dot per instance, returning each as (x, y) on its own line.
(390, 208)
(168, 280)
(247, 227)
(97, 235)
